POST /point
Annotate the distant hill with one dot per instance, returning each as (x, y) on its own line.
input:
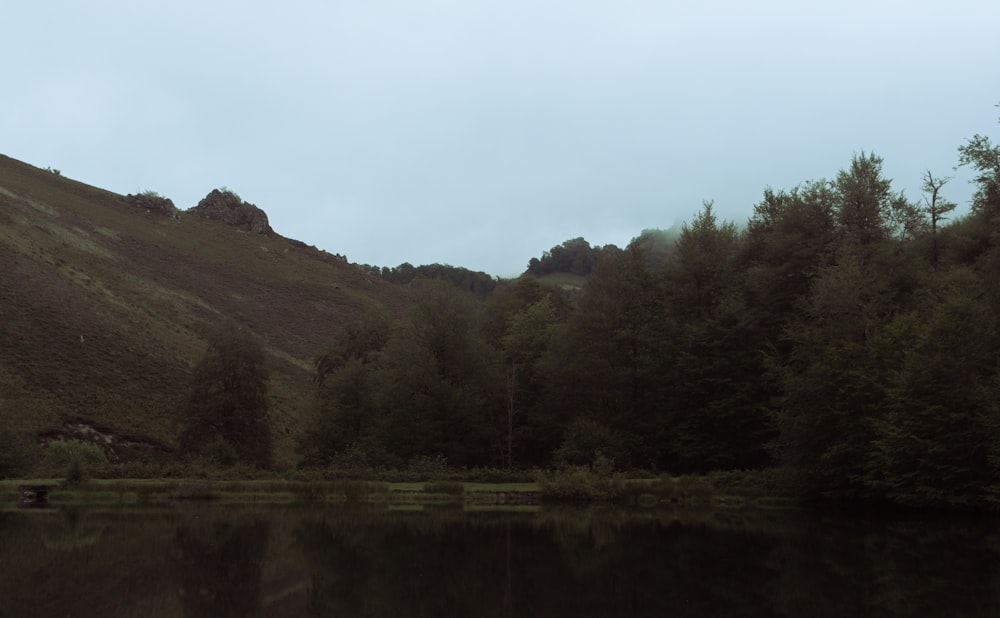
(106, 302)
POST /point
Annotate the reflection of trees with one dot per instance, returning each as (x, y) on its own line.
(843, 566)
(605, 562)
(472, 567)
(219, 568)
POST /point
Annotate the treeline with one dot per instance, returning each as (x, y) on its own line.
(477, 283)
(846, 335)
(578, 257)
(574, 256)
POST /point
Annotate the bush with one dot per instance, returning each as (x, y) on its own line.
(580, 484)
(72, 457)
(424, 467)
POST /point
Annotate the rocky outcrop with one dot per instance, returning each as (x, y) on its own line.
(153, 202)
(116, 445)
(229, 208)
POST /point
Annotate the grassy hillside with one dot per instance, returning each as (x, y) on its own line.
(105, 308)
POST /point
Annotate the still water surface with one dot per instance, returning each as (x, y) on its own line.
(218, 561)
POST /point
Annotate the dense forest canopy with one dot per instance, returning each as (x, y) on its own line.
(846, 334)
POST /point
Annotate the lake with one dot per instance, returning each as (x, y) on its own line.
(213, 560)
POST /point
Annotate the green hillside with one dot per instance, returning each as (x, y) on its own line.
(105, 308)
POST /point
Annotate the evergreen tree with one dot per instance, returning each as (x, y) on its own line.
(717, 395)
(606, 364)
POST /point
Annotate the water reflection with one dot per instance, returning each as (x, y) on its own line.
(218, 565)
(214, 561)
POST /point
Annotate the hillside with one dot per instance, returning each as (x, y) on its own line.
(105, 308)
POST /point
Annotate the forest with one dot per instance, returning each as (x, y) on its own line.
(846, 335)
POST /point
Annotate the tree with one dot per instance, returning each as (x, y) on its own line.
(574, 256)
(868, 211)
(703, 265)
(788, 239)
(714, 371)
(983, 156)
(606, 364)
(435, 386)
(228, 398)
(346, 372)
(936, 442)
(935, 208)
(525, 341)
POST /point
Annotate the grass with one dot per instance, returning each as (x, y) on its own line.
(663, 492)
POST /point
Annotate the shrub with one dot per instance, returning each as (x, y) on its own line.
(579, 484)
(73, 457)
(425, 467)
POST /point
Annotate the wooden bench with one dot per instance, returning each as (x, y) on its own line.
(35, 495)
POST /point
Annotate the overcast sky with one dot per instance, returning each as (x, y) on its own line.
(479, 133)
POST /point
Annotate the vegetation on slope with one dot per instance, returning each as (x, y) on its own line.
(105, 308)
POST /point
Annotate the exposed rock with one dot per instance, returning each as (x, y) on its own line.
(229, 208)
(117, 446)
(153, 203)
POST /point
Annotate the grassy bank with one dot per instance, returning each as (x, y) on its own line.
(731, 490)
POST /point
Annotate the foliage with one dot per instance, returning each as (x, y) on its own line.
(934, 444)
(476, 283)
(153, 202)
(72, 458)
(227, 408)
(580, 484)
(588, 441)
(573, 256)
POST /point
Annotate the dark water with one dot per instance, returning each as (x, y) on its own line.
(217, 561)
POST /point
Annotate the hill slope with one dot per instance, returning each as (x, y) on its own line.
(105, 307)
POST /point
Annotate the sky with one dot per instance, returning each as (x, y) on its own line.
(482, 133)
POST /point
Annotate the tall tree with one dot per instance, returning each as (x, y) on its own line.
(346, 408)
(527, 338)
(617, 338)
(983, 156)
(436, 388)
(716, 396)
(935, 208)
(228, 399)
(789, 239)
(702, 269)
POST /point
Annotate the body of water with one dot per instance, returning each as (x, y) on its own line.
(214, 561)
